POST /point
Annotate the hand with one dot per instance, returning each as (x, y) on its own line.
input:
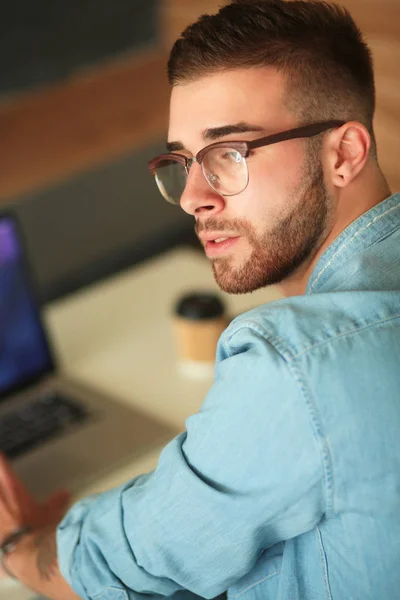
(18, 507)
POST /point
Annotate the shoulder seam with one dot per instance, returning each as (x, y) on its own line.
(287, 353)
(344, 334)
(319, 435)
(270, 338)
(310, 407)
(293, 365)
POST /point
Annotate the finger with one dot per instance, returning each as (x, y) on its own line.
(8, 521)
(17, 499)
(7, 484)
(8, 480)
(13, 490)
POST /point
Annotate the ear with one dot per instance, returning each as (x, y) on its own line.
(348, 152)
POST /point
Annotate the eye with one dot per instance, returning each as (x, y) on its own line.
(233, 156)
(229, 156)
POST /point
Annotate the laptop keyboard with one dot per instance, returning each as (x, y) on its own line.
(48, 416)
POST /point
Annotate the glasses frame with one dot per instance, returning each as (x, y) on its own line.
(244, 148)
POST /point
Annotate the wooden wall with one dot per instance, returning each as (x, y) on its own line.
(53, 133)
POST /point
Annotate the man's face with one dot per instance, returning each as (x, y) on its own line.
(281, 217)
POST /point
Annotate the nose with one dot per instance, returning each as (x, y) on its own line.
(198, 196)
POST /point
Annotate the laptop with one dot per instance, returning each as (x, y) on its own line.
(55, 432)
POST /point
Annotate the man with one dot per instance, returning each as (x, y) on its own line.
(286, 485)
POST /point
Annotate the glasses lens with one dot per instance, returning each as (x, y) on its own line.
(226, 171)
(171, 180)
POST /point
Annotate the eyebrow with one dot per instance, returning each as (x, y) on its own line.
(215, 133)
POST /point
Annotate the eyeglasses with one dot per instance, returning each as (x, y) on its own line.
(223, 164)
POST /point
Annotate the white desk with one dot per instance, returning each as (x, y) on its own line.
(117, 336)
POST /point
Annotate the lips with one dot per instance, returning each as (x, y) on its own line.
(219, 246)
(215, 236)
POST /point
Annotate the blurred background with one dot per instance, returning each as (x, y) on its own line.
(84, 105)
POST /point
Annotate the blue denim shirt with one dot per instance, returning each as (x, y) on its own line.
(286, 484)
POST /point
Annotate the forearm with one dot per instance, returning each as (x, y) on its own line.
(34, 563)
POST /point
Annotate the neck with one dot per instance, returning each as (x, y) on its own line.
(350, 203)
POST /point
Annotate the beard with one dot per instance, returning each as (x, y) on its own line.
(279, 252)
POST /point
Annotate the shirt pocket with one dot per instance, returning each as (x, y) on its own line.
(261, 583)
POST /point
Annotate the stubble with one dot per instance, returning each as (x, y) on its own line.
(280, 251)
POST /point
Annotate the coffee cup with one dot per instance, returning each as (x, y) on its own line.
(199, 319)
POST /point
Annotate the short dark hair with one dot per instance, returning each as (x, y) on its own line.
(317, 46)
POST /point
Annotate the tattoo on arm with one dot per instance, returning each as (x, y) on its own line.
(46, 558)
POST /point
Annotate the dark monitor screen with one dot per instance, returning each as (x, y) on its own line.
(24, 352)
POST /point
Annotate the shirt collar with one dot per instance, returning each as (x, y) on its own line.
(378, 222)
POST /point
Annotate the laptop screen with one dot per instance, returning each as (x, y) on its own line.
(24, 352)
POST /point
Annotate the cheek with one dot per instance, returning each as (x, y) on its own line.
(273, 178)
(283, 162)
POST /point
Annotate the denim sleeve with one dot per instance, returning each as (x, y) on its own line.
(245, 475)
